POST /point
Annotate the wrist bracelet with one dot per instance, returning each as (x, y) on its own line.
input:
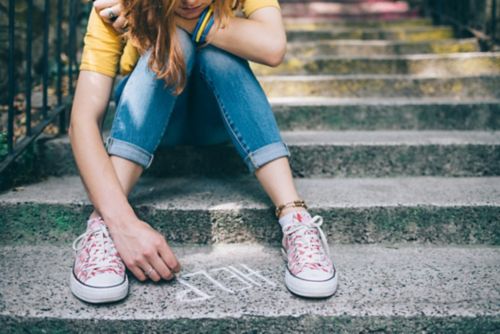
(204, 36)
(203, 25)
(198, 24)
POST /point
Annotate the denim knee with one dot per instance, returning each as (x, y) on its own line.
(139, 123)
(213, 60)
(246, 111)
(188, 49)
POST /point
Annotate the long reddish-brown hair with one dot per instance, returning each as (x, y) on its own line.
(151, 26)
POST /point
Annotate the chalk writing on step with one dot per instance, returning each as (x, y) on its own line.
(230, 279)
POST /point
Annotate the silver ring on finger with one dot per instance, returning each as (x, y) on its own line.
(111, 15)
(149, 271)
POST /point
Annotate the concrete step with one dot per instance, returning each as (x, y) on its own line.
(240, 289)
(357, 48)
(322, 113)
(322, 23)
(326, 153)
(383, 10)
(379, 114)
(214, 210)
(414, 34)
(331, 153)
(367, 86)
(444, 65)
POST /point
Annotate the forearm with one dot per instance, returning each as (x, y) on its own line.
(96, 171)
(260, 37)
(257, 40)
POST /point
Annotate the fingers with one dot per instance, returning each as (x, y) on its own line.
(103, 4)
(138, 272)
(150, 272)
(168, 257)
(156, 263)
(111, 13)
(120, 24)
(160, 270)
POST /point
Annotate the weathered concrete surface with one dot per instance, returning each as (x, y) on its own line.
(389, 289)
(423, 210)
(368, 86)
(384, 114)
(413, 34)
(358, 48)
(327, 153)
(381, 9)
(426, 65)
(319, 23)
(323, 113)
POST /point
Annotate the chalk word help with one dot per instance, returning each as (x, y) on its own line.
(228, 279)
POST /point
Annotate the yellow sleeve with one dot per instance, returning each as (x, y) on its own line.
(250, 6)
(102, 47)
(129, 58)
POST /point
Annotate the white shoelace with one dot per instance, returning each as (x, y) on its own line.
(308, 239)
(103, 253)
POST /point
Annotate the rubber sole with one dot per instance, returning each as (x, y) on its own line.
(307, 288)
(311, 289)
(97, 295)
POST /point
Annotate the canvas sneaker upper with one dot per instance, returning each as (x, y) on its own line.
(306, 249)
(97, 263)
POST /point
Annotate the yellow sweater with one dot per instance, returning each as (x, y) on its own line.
(104, 49)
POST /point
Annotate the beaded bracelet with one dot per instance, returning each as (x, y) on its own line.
(294, 204)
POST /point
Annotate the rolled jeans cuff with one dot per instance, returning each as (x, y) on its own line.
(266, 154)
(129, 151)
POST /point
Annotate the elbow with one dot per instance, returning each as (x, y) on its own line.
(276, 53)
(275, 59)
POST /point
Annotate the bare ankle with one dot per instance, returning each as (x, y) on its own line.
(93, 215)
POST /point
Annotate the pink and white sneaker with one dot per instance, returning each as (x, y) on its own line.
(98, 274)
(310, 270)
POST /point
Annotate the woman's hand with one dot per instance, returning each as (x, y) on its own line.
(141, 248)
(111, 12)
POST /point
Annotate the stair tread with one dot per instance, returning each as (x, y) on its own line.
(332, 101)
(393, 137)
(374, 281)
(320, 20)
(406, 77)
(376, 137)
(409, 29)
(378, 42)
(432, 56)
(238, 193)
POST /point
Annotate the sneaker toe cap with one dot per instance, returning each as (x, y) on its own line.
(105, 280)
(315, 274)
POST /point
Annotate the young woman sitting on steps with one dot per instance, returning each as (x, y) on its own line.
(187, 81)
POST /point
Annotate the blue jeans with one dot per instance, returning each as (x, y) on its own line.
(222, 102)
